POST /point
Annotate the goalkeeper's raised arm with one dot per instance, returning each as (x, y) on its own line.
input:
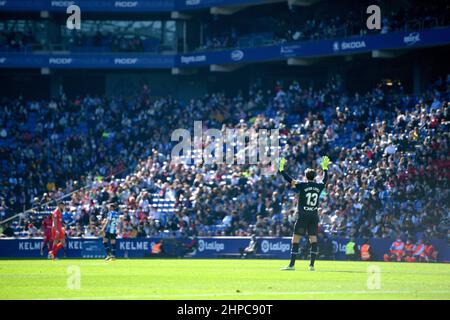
(324, 164)
(281, 170)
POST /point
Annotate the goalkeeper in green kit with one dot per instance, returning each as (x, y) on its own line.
(308, 202)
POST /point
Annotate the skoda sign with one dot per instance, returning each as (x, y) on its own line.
(336, 46)
(348, 45)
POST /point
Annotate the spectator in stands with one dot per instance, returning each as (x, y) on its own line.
(7, 232)
(3, 209)
(97, 39)
(370, 192)
(136, 45)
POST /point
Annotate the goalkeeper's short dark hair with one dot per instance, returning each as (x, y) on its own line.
(310, 174)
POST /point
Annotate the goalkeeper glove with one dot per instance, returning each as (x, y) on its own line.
(281, 165)
(325, 162)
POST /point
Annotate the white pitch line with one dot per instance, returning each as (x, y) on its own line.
(161, 296)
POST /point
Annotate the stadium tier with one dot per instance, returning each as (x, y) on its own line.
(147, 6)
(390, 163)
(297, 35)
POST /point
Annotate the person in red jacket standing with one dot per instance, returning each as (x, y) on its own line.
(46, 227)
(58, 232)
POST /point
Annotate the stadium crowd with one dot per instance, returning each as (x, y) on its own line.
(15, 40)
(389, 177)
(105, 41)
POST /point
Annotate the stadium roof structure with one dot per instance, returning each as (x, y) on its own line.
(141, 6)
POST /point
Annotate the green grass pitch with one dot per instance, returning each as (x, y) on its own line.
(180, 279)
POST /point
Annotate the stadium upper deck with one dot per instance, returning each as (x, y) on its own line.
(231, 35)
(135, 6)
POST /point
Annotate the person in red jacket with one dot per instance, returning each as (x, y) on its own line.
(409, 250)
(58, 232)
(430, 253)
(396, 251)
(366, 251)
(419, 252)
(46, 227)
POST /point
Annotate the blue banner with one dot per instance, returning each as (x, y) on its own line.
(78, 248)
(364, 44)
(119, 5)
(207, 247)
(76, 60)
(199, 4)
(310, 49)
(88, 5)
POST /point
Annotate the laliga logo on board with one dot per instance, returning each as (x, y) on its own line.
(338, 247)
(412, 38)
(201, 245)
(125, 4)
(267, 246)
(237, 55)
(210, 246)
(335, 246)
(125, 60)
